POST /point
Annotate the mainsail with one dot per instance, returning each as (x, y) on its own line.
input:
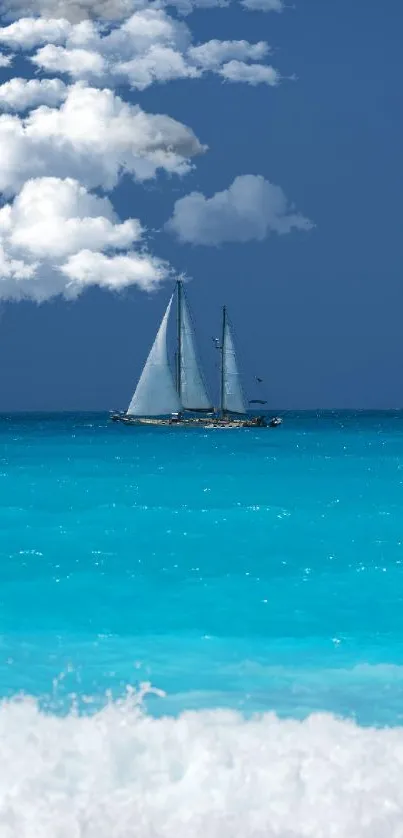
(232, 398)
(155, 394)
(192, 388)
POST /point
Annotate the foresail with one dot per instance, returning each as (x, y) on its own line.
(155, 394)
(193, 390)
(233, 398)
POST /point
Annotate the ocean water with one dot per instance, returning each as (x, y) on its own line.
(201, 631)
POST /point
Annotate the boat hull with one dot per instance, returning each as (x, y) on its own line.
(196, 422)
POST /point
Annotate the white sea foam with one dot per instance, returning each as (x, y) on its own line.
(207, 774)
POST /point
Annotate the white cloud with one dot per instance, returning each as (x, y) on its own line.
(185, 7)
(213, 53)
(5, 60)
(238, 71)
(115, 10)
(77, 63)
(94, 137)
(108, 10)
(139, 31)
(72, 10)
(51, 218)
(250, 208)
(12, 271)
(150, 46)
(264, 5)
(113, 272)
(21, 94)
(144, 29)
(160, 64)
(28, 33)
(57, 238)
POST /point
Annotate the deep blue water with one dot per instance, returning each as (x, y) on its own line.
(252, 569)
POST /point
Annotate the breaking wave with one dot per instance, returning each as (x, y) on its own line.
(120, 773)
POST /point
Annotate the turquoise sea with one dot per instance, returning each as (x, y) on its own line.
(201, 631)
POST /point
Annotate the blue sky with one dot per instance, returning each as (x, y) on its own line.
(316, 307)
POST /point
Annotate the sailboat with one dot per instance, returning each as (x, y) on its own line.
(161, 398)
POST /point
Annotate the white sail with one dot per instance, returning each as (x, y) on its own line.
(193, 390)
(233, 398)
(155, 394)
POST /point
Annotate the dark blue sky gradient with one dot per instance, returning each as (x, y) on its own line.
(318, 315)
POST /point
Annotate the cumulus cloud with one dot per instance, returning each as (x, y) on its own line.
(51, 218)
(159, 64)
(57, 238)
(250, 208)
(144, 29)
(5, 60)
(73, 10)
(21, 94)
(150, 46)
(77, 63)
(113, 272)
(95, 137)
(141, 30)
(108, 10)
(28, 33)
(264, 5)
(238, 71)
(115, 10)
(213, 53)
(185, 7)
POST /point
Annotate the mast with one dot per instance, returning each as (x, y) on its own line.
(179, 339)
(224, 324)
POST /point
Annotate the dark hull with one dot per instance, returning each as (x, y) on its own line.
(193, 422)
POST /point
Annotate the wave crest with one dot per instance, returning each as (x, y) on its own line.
(120, 773)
